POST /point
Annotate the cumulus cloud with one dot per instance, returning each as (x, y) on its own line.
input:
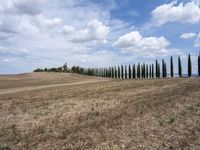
(187, 35)
(29, 7)
(4, 35)
(184, 13)
(134, 42)
(95, 31)
(41, 20)
(197, 42)
(68, 29)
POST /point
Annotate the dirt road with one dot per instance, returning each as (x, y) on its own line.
(23, 89)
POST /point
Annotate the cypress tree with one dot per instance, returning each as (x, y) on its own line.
(179, 67)
(163, 68)
(99, 72)
(189, 66)
(107, 72)
(113, 72)
(156, 69)
(150, 73)
(143, 72)
(110, 72)
(115, 68)
(118, 72)
(147, 71)
(126, 72)
(171, 67)
(141, 68)
(152, 67)
(199, 64)
(133, 70)
(129, 71)
(138, 70)
(122, 72)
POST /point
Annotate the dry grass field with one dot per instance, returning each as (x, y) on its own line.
(93, 113)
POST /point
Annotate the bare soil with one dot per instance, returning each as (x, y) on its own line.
(96, 113)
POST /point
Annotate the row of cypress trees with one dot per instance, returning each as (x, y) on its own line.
(141, 70)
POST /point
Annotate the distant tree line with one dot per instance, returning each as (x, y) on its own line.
(142, 70)
(131, 71)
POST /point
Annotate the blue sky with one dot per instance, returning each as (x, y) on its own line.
(93, 33)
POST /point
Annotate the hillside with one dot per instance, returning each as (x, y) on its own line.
(102, 114)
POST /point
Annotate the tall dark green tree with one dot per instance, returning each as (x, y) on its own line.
(163, 68)
(112, 72)
(152, 67)
(129, 71)
(179, 67)
(138, 70)
(115, 68)
(199, 64)
(156, 69)
(189, 66)
(171, 67)
(126, 72)
(122, 71)
(107, 72)
(143, 70)
(133, 71)
(150, 73)
(147, 71)
(118, 72)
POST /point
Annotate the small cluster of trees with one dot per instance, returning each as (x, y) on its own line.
(59, 69)
(141, 70)
(64, 68)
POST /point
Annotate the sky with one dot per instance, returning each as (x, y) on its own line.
(96, 33)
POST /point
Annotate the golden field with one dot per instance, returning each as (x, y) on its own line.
(67, 111)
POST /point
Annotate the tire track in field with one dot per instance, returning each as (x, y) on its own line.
(22, 89)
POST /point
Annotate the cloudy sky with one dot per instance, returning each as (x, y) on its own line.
(96, 33)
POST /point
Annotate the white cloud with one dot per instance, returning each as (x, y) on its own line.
(95, 31)
(41, 20)
(197, 42)
(134, 42)
(30, 7)
(187, 35)
(4, 35)
(184, 13)
(68, 29)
